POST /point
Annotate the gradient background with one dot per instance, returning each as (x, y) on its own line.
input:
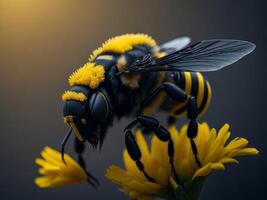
(43, 41)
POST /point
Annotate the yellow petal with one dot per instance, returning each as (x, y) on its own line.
(131, 166)
(205, 170)
(50, 159)
(51, 169)
(210, 140)
(161, 176)
(244, 152)
(229, 160)
(237, 143)
(217, 146)
(183, 150)
(217, 166)
(52, 153)
(42, 162)
(173, 183)
(159, 154)
(142, 144)
(43, 182)
(174, 133)
(223, 131)
(203, 135)
(212, 153)
(117, 175)
(128, 162)
(55, 172)
(143, 187)
(227, 136)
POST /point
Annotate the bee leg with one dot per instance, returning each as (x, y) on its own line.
(192, 129)
(179, 95)
(164, 135)
(135, 153)
(172, 90)
(151, 124)
(79, 149)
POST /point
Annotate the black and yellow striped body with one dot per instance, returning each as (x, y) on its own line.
(193, 83)
(127, 91)
(131, 76)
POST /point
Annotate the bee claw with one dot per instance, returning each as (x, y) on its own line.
(93, 184)
(62, 158)
(92, 180)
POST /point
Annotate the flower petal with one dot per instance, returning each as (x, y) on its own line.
(212, 153)
(131, 166)
(55, 172)
(217, 166)
(43, 181)
(244, 152)
(142, 144)
(117, 175)
(229, 160)
(205, 170)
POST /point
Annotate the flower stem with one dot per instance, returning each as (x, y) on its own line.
(189, 191)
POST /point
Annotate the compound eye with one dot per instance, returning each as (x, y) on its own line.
(99, 107)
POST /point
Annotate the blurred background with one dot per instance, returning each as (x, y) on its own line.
(42, 42)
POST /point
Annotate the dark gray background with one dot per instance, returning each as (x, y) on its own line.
(42, 42)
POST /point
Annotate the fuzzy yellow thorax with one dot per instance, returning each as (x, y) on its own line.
(123, 43)
(89, 75)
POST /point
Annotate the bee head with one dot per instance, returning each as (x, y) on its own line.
(86, 116)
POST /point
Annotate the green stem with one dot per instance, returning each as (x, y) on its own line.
(189, 191)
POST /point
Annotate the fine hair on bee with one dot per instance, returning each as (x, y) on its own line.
(131, 76)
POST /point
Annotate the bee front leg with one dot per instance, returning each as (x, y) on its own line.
(79, 149)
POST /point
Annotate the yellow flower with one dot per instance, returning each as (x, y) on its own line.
(55, 172)
(213, 150)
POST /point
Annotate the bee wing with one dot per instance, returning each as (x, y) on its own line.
(204, 56)
(175, 44)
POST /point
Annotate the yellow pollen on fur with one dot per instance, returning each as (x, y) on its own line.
(89, 75)
(123, 43)
(70, 95)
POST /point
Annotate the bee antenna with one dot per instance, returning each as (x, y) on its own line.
(64, 141)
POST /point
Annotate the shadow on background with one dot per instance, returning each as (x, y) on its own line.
(42, 42)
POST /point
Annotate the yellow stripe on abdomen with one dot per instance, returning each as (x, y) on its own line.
(200, 93)
(193, 84)
(207, 100)
(186, 84)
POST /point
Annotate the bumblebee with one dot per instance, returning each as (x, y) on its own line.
(131, 76)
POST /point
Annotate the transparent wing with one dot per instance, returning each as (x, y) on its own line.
(175, 44)
(204, 56)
